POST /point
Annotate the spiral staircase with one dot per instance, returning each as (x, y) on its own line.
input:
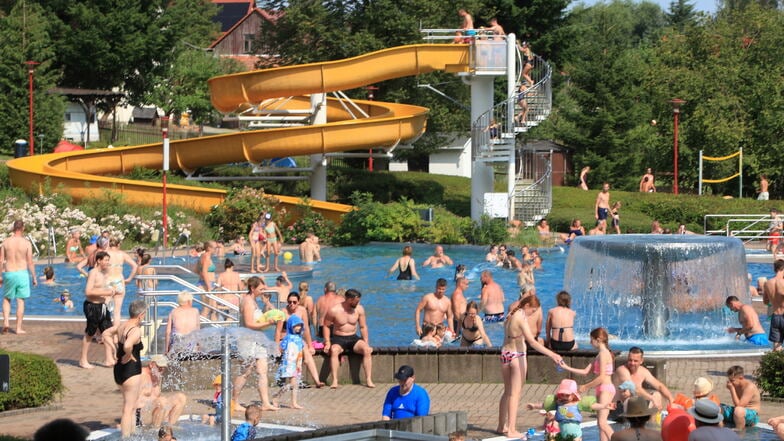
(494, 142)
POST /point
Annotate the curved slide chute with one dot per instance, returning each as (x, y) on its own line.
(89, 173)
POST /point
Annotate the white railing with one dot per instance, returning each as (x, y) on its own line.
(746, 227)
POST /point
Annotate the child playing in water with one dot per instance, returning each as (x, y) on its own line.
(217, 404)
(247, 430)
(291, 348)
(65, 299)
(602, 367)
(428, 338)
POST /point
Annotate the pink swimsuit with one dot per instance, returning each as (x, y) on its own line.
(608, 369)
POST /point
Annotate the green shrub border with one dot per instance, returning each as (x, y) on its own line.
(35, 381)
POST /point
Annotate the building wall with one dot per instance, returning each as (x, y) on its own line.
(75, 124)
(234, 43)
(453, 160)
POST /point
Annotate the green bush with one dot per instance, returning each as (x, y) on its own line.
(769, 378)
(35, 381)
(308, 221)
(239, 210)
(488, 231)
(399, 222)
(11, 438)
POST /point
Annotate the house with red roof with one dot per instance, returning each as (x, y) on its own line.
(241, 21)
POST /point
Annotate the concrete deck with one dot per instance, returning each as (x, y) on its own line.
(92, 398)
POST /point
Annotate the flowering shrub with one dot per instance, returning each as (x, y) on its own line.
(53, 216)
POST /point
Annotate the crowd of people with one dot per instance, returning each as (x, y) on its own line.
(338, 323)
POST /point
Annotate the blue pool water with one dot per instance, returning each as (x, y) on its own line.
(390, 304)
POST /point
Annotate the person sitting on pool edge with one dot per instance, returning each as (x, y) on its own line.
(745, 400)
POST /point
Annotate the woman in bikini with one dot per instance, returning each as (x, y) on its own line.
(560, 324)
(602, 367)
(128, 369)
(514, 364)
(115, 278)
(274, 241)
(472, 330)
(257, 238)
(405, 265)
(74, 253)
(145, 269)
(206, 270)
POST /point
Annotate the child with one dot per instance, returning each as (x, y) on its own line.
(428, 338)
(247, 430)
(65, 299)
(291, 348)
(217, 404)
(702, 389)
(616, 217)
(562, 411)
(602, 367)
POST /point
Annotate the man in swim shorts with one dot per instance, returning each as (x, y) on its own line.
(491, 298)
(17, 254)
(98, 317)
(745, 400)
(751, 328)
(773, 295)
(634, 370)
(602, 205)
(340, 335)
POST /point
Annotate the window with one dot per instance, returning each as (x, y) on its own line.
(248, 44)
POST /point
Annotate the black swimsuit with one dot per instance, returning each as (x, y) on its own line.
(122, 372)
(561, 345)
(405, 274)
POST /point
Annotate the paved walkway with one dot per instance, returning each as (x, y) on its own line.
(92, 398)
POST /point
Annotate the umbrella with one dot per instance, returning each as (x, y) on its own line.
(65, 146)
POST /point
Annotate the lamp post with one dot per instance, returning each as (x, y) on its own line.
(165, 132)
(370, 96)
(676, 111)
(30, 71)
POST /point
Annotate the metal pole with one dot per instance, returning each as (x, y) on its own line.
(740, 174)
(225, 387)
(165, 131)
(699, 191)
(676, 112)
(30, 70)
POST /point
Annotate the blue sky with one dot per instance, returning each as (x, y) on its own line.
(700, 5)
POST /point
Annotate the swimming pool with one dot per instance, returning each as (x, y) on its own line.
(390, 304)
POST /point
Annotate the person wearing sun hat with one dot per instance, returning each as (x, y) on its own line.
(638, 411)
(707, 417)
(407, 399)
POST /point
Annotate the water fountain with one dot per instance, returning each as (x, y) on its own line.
(649, 287)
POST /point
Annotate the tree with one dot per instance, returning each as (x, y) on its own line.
(24, 35)
(681, 14)
(184, 87)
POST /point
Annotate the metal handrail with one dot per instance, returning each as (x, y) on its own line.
(744, 230)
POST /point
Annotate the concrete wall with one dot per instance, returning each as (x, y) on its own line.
(444, 365)
(440, 424)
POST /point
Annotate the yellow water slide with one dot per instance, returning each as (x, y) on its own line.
(89, 173)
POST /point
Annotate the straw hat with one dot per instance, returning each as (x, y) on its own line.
(702, 387)
(638, 407)
(706, 411)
